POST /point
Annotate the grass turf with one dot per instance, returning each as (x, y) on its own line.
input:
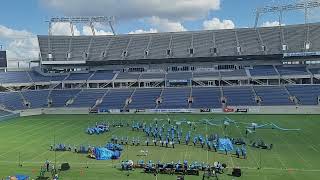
(295, 154)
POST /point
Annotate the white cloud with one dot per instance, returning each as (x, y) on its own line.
(86, 30)
(215, 23)
(132, 9)
(271, 24)
(165, 25)
(141, 31)
(20, 44)
(64, 29)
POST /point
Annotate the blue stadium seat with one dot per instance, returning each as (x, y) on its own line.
(175, 98)
(273, 95)
(206, 97)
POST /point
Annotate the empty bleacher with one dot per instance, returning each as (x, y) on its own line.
(145, 98)
(175, 98)
(102, 75)
(206, 97)
(306, 94)
(36, 98)
(293, 71)
(273, 95)
(87, 97)
(239, 96)
(263, 70)
(60, 97)
(315, 70)
(115, 98)
(11, 100)
(127, 76)
(79, 76)
(226, 41)
(14, 77)
(36, 77)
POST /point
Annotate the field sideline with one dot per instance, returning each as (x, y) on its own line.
(295, 155)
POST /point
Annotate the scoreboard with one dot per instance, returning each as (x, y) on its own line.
(3, 59)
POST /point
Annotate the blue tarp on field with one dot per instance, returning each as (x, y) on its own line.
(106, 154)
(20, 177)
(103, 153)
(225, 144)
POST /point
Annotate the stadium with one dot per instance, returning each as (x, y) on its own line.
(239, 103)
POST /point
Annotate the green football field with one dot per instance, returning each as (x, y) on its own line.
(295, 154)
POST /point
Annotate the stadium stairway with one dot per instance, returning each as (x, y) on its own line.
(129, 99)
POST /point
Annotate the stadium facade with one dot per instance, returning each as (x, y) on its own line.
(235, 70)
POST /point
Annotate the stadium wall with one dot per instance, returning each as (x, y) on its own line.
(10, 116)
(228, 110)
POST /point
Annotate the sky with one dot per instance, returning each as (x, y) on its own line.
(22, 20)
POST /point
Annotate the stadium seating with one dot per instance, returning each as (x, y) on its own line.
(137, 47)
(306, 94)
(60, 97)
(37, 98)
(99, 44)
(14, 77)
(79, 76)
(102, 75)
(145, 98)
(172, 98)
(207, 97)
(175, 98)
(87, 98)
(285, 71)
(115, 98)
(115, 50)
(126, 75)
(226, 43)
(273, 95)
(12, 100)
(271, 38)
(159, 45)
(239, 96)
(295, 38)
(179, 43)
(315, 70)
(263, 70)
(36, 77)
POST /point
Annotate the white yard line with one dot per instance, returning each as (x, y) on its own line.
(229, 154)
(46, 142)
(253, 157)
(72, 137)
(28, 129)
(30, 142)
